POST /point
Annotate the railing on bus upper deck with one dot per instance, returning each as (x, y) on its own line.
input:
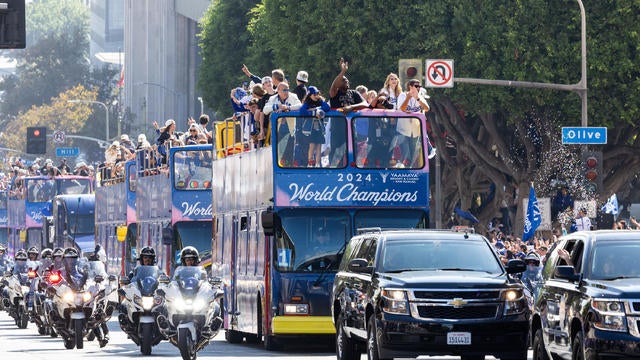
(148, 162)
(233, 136)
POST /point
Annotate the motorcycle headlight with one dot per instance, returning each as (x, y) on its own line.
(25, 289)
(395, 302)
(147, 302)
(68, 296)
(609, 315)
(514, 302)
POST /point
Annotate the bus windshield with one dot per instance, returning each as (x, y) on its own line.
(82, 224)
(74, 186)
(196, 234)
(40, 190)
(192, 169)
(311, 240)
(391, 219)
(295, 135)
(386, 142)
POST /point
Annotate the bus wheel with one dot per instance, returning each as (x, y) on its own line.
(271, 343)
(233, 336)
(256, 338)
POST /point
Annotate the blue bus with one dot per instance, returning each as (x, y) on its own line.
(282, 221)
(28, 211)
(191, 213)
(4, 219)
(73, 222)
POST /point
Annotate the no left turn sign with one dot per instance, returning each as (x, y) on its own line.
(439, 73)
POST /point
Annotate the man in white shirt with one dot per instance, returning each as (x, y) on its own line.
(582, 221)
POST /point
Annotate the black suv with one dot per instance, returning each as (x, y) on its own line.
(588, 306)
(419, 292)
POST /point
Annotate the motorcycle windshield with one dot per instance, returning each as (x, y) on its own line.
(20, 267)
(147, 278)
(96, 268)
(188, 278)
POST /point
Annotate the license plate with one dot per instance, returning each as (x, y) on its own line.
(458, 338)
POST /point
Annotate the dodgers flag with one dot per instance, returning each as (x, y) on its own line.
(533, 217)
(611, 207)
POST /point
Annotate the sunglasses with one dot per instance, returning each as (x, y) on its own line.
(285, 90)
(417, 86)
(193, 130)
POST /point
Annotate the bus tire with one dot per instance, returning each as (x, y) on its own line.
(233, 336)
(271, 343)
(256, 338)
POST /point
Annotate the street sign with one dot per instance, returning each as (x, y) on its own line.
(439, 73)
(67, 151)
(58, 136)
(584, 135)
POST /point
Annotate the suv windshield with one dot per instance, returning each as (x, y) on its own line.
(310, 240)
(423, 254)
(615, 260)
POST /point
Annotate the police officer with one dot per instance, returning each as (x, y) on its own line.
(189, 256)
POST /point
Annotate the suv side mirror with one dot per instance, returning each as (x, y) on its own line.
(567, 272)
(515, 266)
(359, 266)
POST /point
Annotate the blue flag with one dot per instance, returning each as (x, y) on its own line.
(533, 218)
(611, 207)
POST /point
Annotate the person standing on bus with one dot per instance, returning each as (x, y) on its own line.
(412, 100)
(314, 131)
(343, 98)
(391, 89)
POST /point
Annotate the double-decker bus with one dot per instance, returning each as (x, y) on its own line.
(191, 213)
(115, 219)
(28, 212)
(282, 221)
(4, 219)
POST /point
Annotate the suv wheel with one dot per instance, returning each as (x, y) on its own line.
(578, 352)
(372, 340)
(539, 351)
(346, 348)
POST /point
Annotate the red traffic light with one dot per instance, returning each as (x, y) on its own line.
(412, 72)
(591, 175)
(36, 132)
(591, 162)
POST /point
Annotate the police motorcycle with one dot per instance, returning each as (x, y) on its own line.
(140, 305)
(192, 306)
(51, 279)
(106, 304)
(5, 265)
(17, 283)
(36, 296)
(77, 297)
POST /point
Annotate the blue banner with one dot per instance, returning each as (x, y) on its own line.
(533, 216)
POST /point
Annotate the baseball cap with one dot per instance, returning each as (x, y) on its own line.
(124, 137)
(313, 90)
(303, 76)
(169, 122)
(142, 138)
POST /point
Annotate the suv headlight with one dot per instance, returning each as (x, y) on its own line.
(395, 302)
(514, 302)
(609, 315)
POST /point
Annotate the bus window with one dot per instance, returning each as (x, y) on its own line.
(296, 134)
(391, 219)
(40, 190)
(196, 234)
(310, 239)
(192, 169)
(74, 186)
(383, 142)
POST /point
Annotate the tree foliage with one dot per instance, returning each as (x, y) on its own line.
(56, 115)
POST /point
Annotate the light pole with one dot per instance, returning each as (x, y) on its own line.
(201, 105)
(106, 111)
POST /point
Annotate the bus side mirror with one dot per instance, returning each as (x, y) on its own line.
(167, 235)
(267, 222)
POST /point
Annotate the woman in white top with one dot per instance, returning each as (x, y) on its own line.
(392, 89)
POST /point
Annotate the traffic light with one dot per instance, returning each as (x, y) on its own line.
(410, 69)
(37, 140)
(593, 173)
(12, 18)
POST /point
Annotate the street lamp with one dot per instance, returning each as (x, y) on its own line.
(106, 111)
(201, 105)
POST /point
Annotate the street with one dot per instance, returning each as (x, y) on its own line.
(15, 343)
